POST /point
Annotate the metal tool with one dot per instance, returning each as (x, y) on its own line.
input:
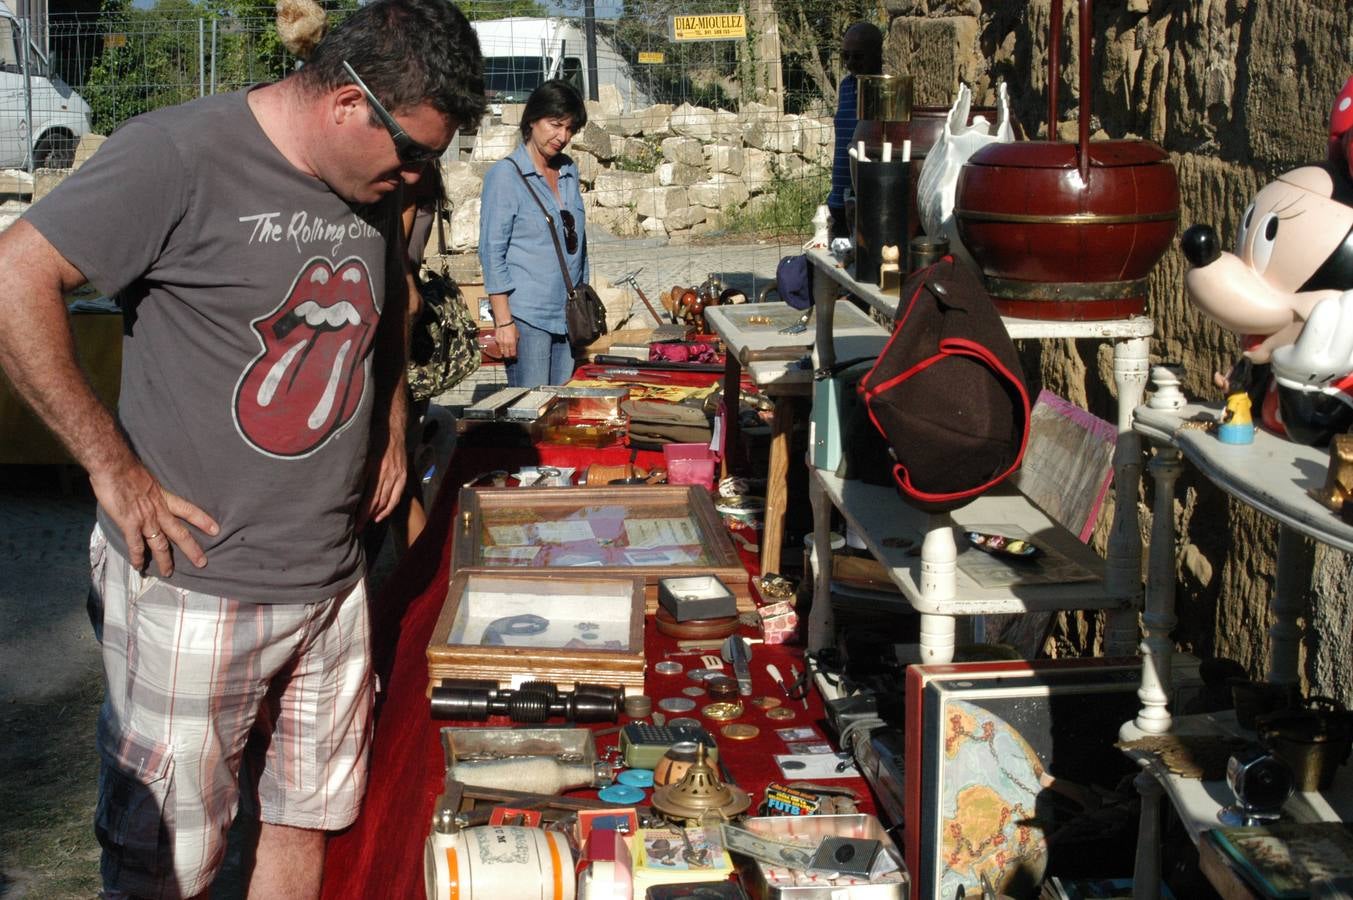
(738, 652)
(774, 672)
(629, 279)
(801, 325)
(794, 673)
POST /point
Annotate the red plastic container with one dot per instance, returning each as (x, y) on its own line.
(690, 464)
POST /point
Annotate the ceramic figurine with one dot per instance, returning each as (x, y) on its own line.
(1287, 290)
(1237, 427)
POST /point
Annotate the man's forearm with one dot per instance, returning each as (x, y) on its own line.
(390, 363)
(37, 351)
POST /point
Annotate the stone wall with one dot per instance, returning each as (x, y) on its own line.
(1237, 91)
(677, 173)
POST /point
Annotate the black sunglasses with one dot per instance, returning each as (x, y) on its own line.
(570, 230)
(409, 151)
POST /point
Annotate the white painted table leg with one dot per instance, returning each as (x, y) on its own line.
(939, 568)
(937, 638)
(1159, 618)
(1294, 570)
(1146, 870)
(821, 623)
(1123, 566)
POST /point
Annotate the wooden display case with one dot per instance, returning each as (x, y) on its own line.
(654, 531)
(514, 627)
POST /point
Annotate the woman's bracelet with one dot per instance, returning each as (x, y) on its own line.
(505, 324)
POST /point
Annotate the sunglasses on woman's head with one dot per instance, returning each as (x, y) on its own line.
(410, 152)
(570, 230)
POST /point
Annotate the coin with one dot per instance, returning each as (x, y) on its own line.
(766, 702)
(697, 674)
(780, 712)
(693, 691)
(722, 712)
(739, 732)
(676, 704)
(684, 722)
(667, 667)
(710, 675)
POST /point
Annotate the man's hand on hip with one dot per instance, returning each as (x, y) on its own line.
(150, 517)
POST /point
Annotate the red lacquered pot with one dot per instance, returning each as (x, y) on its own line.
(1068, 231)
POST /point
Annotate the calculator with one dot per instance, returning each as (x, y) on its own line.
(642, 744)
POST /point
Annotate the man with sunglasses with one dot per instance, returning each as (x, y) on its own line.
(861, 54)
(253, 242)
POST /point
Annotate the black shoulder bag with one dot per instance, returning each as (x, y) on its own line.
(584, 313)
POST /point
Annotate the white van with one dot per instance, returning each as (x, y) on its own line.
(60, 116)
(523, 51)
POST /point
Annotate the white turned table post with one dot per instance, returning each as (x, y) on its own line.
(1159, 618)
(1123, 568)
(939, 567)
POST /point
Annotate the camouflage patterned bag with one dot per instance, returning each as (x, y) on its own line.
(444, 349)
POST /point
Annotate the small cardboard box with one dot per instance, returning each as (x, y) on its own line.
(696, 597)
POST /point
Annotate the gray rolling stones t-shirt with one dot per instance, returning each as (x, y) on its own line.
(251, 295)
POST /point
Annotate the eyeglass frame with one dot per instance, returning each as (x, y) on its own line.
(409, 151)
(570, 230)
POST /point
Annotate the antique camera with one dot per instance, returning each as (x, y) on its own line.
(1262, 783)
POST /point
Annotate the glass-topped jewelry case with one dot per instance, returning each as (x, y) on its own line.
(516, 626)
(655, 531)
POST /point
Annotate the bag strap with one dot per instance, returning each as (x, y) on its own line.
(549, 220)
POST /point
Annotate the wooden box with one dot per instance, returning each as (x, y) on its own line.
(654, 531)
(528, 626)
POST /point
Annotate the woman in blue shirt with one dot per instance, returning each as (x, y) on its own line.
(521, 271)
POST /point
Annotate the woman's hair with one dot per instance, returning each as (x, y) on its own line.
(554, 99)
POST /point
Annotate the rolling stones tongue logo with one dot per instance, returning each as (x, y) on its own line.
(306, 384)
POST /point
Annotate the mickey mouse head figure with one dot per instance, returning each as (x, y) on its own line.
(1288, 291)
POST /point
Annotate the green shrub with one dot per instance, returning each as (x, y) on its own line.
(789, 207)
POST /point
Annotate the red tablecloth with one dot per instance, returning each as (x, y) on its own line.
(381, 855)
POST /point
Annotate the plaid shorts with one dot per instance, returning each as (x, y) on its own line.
(189, 676)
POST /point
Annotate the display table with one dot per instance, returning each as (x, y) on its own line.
(932, 582)
(772, 357)
(1272, 476)
(381, 854)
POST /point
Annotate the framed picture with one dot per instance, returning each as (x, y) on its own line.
(654, 531)
(514, 627)
(1005, 761)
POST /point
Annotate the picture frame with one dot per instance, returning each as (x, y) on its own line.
(995, 752)
(511, 627)
(653, 531)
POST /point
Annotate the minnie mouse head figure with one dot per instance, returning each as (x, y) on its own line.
(1288, 291)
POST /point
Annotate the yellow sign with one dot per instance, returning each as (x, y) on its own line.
(713, 27)
(647, 58)
(114, 40)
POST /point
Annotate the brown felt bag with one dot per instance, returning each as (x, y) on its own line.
(948, 392)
